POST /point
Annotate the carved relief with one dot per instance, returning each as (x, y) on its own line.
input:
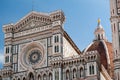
(56, 23)
(32, 24)
(31, 31)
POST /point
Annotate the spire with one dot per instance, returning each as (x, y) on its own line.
(99, 31)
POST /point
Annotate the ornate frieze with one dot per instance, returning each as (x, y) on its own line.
(32, 31)
(78, 59)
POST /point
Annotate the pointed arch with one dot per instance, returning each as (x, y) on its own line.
(50, 76)
(98, 36)
(44, 77)
(67, 74)
(39, 77)
(74, 73)
(30, 76)
(81, 72)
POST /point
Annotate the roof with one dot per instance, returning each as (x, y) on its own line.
(105, 50)
(71, 42)
(45, 18)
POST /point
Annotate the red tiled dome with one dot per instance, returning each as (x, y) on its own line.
(105, 50)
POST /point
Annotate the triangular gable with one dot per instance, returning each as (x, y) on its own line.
(31, 20)
(34, 18)
(69, 44)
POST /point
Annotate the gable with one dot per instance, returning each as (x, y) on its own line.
(69, 47)
(32, 20)
(32, 24)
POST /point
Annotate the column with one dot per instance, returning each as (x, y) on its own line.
(71, 74)
(59, 73)
(63, 74)
(95, 68)
(53, 74)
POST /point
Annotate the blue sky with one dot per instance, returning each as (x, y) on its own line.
(81, 17)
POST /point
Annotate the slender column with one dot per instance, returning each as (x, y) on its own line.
(95, 69)
(59, 73)
(53, 74)
(63, 74)
(71, 74)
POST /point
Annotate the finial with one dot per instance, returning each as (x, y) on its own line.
(99, 20)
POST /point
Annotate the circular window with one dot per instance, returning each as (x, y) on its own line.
(34, 57)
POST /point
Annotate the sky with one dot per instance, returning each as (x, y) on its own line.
(81, 17)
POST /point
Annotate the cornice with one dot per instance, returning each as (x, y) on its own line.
(46, 18)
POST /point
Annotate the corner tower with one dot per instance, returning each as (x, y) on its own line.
(115, 25)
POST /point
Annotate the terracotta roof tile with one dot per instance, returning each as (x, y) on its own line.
(110, 50)
(99, 46)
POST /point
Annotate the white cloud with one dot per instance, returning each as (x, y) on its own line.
(1, 57)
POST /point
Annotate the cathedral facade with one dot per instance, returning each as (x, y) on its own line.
(38, 48)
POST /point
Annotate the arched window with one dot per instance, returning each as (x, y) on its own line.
(98, 36)
(116, 53)
(7, 59)
(44, 77)
(18, 78)
(81, 73)
(50, 76)
(67, 75)
(31, 76)
(90, 72)
(91, 69)
(57, 48)
(0, 78)
(39, 77)
(7, 50)
(74, 73)
(57, 38)
(24, 78)
(102, 36)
